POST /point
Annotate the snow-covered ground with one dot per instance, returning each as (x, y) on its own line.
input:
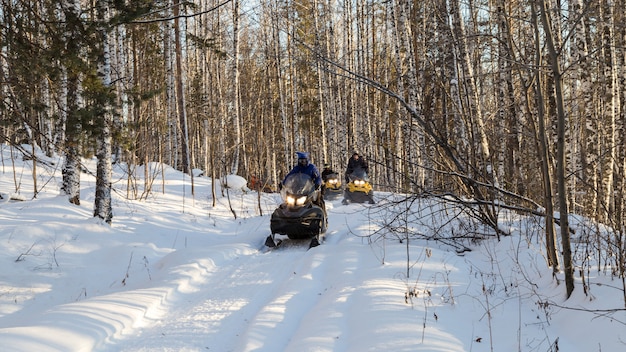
(174, 273)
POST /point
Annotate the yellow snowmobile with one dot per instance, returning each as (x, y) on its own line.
(359, 189)
(332, 186)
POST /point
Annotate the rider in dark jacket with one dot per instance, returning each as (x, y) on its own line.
(356, 162)
(327, 171)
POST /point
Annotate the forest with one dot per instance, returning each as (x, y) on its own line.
(491, 104)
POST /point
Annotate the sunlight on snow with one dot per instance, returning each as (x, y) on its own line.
(12, 298)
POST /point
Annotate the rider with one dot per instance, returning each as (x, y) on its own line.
(305, 167)
(327, 171)
(356, 162)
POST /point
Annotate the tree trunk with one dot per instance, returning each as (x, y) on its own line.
(236, 94)
(414, 140)
(172, 148)
(102, 206)
(73, 129)
(469, 84)
(459, 134)
(180, 93)
(583, 87)
(543, 152)
(609, 96)
(560, 155)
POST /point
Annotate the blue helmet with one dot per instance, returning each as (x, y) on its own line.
(303, 158)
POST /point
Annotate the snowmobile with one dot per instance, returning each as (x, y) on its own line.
(332, 186)
(359, 189)
(298, 217)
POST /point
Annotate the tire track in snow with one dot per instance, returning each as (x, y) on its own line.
(307, 313)
(230, 293)
(289, 299)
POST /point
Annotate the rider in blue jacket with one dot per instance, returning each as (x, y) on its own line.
(305, 167)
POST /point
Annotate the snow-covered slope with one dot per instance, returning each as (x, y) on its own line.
(174, 273)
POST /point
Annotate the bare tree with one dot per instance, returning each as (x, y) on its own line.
(180, 92)
(73, 125)
(542, 147)
(608, 114)
(102, 206)
(408, 87)
(555, 66)
(236, 110)
(468, 79)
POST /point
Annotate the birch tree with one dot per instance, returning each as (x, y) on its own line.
(620, 194)
(509, 157)
(455, 126)
(468, 81)
(180, 92)
(543, 153)
(277, 57)
(608, 100)
(73, 125)
(103, 207)
(583, 88)
(408, 87)
(173, 145)
(236, 98)
(556, 72)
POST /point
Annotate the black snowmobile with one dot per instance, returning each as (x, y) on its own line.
(359, 189)
(298, 217)
(332, 186)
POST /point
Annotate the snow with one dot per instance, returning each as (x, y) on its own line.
(174, 273)
(235, 182)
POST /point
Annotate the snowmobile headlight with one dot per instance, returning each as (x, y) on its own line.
(293, 200)
(359, 182)
(332, 182)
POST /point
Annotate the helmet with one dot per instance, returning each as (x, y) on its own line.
(303, 158)
(326, 166)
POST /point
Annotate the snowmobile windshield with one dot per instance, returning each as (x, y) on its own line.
(358, 174)
(298, 185)
(332, 176)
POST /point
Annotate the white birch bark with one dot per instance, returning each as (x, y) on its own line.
(557, 74)
(180, 91)
(469, 84)
(582, 87)
(172, 149)
(620, 201)
(459, 134)
(543, 149)
(413, 134)
(102, 207)
(608, 89)
(399, 123)
(73, 128)
(282, 98)
(236, 94)
(322, 90)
